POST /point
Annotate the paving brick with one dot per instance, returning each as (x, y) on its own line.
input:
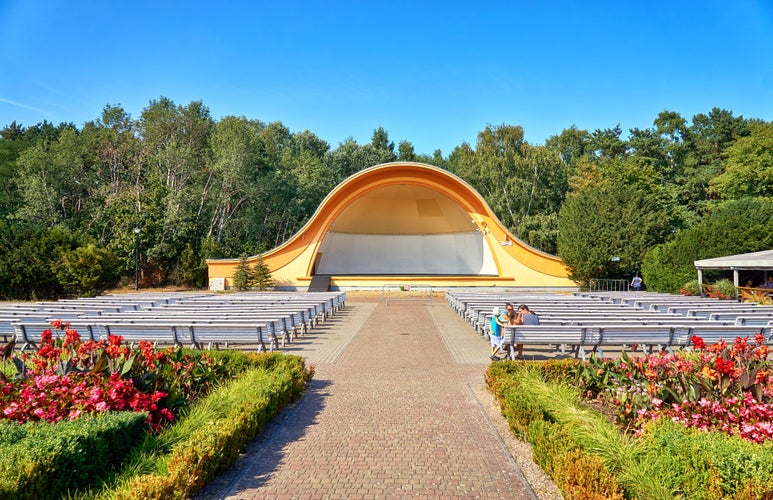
(391, 411)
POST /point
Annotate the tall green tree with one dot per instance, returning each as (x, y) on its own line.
(231, 186)
(349, 158)
(405, 152)
(55, 179)
(607, 143)
(519, 181)
(571, 144)
(116, 195)
(380, 141)
(749, 166)
(710, 136)
(12, 143)
(175, 149)
(595, 225)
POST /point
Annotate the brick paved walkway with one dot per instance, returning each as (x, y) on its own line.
(391, 412)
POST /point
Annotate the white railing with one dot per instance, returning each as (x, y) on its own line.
(597, 285)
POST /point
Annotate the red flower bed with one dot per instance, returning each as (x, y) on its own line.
(66, 378)
(723, 387)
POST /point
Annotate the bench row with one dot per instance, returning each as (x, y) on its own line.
(208, 324)
(596, 338)
(266, 335)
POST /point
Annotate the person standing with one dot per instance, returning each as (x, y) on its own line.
(636, 283)
(506, 318)
(496, 336)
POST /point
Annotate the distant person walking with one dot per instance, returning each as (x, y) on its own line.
(636, 283)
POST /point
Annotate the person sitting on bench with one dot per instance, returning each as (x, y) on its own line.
(527, 318)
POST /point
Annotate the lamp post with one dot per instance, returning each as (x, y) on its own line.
(136, 258)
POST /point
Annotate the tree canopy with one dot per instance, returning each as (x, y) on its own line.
(199, 188)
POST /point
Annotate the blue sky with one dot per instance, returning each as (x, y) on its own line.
(434, 73)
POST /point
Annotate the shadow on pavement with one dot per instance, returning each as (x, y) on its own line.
(263, 456)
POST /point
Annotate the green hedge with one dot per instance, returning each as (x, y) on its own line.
(177, 463)
(733, 227)
(709, 465)
(42, 460)
(588, 457)
(113, 456)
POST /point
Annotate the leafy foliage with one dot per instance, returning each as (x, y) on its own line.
(721, 387)
(749, 167)
(595, 225)
(202, 188)
(737, 226)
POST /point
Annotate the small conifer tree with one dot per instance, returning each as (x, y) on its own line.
(242, 276)
(261, 275)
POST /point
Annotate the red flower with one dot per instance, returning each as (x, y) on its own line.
(46, 337)
(723, 366)
(698, 342)
(71, 337)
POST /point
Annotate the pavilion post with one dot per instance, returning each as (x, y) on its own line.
(700, 281)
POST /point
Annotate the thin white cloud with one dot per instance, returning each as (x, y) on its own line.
(22, 105)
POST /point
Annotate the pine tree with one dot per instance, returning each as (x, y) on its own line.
(261, 275)
(242, 277)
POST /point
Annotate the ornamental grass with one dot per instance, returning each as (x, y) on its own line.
(689, 424)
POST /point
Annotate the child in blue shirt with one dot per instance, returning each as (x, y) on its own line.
(496, 337)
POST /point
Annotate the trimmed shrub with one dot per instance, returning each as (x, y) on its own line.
(582, 476)
(219, 426)
(708, 465)
(548, 441)
(42, 460)
(577, 474)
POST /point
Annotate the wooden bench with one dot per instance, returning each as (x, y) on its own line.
(661, 337)
(711, 333)
(548, 335)
(234, 333)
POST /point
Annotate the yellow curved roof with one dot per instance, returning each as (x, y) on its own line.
(405, 198)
